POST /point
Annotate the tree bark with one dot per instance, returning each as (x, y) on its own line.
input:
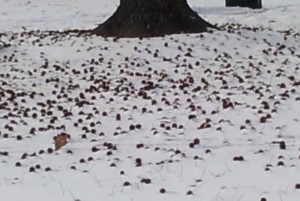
(148, 18)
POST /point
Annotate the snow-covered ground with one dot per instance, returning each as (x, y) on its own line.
(212, 117)
(58, 14)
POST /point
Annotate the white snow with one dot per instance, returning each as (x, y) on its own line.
(247, 73)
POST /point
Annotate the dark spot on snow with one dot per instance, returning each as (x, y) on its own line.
(162, 190)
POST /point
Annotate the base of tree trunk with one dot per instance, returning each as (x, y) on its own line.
(254, 4)
(149, 18)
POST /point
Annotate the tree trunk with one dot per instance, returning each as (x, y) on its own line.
(244, 3)
(148, 18)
